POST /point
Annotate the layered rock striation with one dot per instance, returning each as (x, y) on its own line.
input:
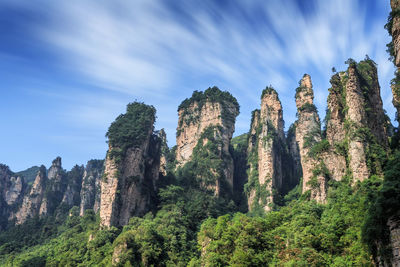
(205, 126)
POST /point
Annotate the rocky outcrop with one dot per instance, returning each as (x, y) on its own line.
(307, 134)
(33, 202)
(356, 115)
(365, 120)
(11, 193)
(129, 176)
(74, 184)
(210, 111)
(56, 187)
(11, 186)
(90, 188)
(266, 141)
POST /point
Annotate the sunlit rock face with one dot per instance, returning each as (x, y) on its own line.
(335, 160)
(11, 193)
(206, 110)
(129, 180)
(266, 141)
(308, 133)
(122, 187)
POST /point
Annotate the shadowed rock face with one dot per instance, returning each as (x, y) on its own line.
(266, 140)
(308, 132)
(196, 115)
(90, 192)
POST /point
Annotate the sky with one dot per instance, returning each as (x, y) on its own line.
(69, 68)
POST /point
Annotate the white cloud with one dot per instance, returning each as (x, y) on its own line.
(147, 51)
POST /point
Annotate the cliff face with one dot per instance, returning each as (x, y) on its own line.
(205, 116)
(32, 202)
(11, 186)
(90, 188)
(293, 166)
(11, 193)
(131, 168)
(365, 120)
(265, 151)
(56, 186)
(74, 184)
(334, 156)
(307, 134)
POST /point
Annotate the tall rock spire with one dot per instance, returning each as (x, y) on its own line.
(334, 156)
(266, 140)
(308, 133)
(205, 127)
(128, 182)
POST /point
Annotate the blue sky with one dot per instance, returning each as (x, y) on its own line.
(68, 68)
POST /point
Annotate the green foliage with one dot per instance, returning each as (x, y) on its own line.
(319, 148)
(130, 129)
(239, 145)
(308, 107)
(267, 91)
(302, 234)
(309, 139)
(385, 205)
(208, 161)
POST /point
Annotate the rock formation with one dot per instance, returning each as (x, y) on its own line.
(294, 164)
(308, 133)
(356, 115)
(266, 141)
(11, 186)
(208, 115)
(90, 188)
(11, 193)
(334, 156)
(74, 184)
(56, 187)
(129, 176)
(32, 202)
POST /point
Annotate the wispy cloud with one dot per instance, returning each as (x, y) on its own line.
(159, 51)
